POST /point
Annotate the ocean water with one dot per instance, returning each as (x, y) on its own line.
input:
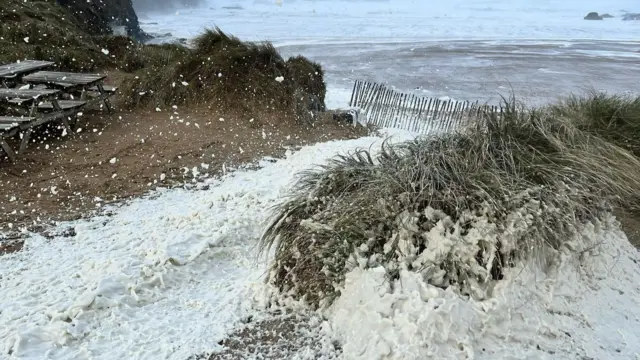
(464, 49)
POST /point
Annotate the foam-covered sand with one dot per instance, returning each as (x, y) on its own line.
(161, 277)
(170, 275)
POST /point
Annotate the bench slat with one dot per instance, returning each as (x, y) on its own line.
(8, 123)
(8, 127)
(64, 104)
(60, 85)
(15, 119)
(25, 94)
(20, 102)
(63, 77)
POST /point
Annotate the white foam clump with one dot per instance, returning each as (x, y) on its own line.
(587, 306)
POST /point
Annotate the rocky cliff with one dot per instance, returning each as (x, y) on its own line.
(101, 17)
(75, 35)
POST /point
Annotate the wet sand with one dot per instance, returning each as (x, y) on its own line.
(537, 71)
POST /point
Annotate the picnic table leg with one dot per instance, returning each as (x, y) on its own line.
(25, 140)
(64, 120)
(105, 97)
(66, 125)
(7, 149)
(33, 110)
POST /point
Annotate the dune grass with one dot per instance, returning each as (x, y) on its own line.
(224, 71)
(219, 67)
(458, 208)
(614, 117)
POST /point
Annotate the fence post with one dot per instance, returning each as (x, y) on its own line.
(376, 102)
(353, 92)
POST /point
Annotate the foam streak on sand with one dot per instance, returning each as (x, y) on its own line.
(162, 277)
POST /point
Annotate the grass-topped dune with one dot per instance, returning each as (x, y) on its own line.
(219, 71)
(457, 208)
(223, 71)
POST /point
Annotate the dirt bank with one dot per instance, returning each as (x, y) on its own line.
(123, 155)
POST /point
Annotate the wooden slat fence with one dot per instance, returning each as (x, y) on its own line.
(387, 108)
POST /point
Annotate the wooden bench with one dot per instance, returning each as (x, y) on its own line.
(72, 82)
(8, 123)
(23, 98)
(9, 126)
(40, 107)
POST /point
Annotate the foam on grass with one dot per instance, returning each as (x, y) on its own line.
(516, 187)
(583, 306)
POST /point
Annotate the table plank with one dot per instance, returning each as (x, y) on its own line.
(64, 105)
(44, 77)
(8, 126)
(15, 119)
(25, 66)
(26, 94)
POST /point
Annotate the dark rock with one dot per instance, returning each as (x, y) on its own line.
(164, 6)
(68, 232)
(607, 16)
(593, 16)
(157, 36)
(52, 233)
(351, 116)
(343, 117)
(631, 16)
(306, 106)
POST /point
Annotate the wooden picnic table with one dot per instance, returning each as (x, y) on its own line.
(16, 70)
(69, 81)
(44, 107)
